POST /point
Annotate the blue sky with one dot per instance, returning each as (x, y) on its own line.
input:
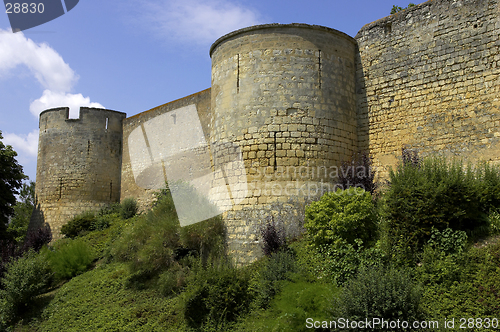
(133, 55)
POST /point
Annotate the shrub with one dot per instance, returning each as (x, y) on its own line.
(266, 283)
(216, 294)
(113, 208)
(273, 237)
(342, 261)
(170, 282)
(494, 222)
(381, 292)
(102, 222)
(358, 173)
(78, 225)
(37, 239)
(24, 279)
(128, 208)
(430, 194)
(459, 285)
(70, 259)
(448, 241)
(154, 242)
(341, 215)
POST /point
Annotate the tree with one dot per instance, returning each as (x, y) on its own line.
(396, 9)
(18, 226)
(11, 176)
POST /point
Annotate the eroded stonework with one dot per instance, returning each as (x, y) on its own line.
(296, 100)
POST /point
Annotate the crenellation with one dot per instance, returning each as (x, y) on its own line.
(291, 97)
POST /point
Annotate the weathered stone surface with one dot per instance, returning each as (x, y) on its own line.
(298, 100)
(78, 166)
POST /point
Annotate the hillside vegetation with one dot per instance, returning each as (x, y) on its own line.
(422, 248)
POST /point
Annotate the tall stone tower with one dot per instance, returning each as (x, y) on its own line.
(78, 166)
(286, 95)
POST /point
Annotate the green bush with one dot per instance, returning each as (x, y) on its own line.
(341, 215)
(216, 294)
(342, 261)
(78, 225)
(462, 284)
(288, 311)
(172, 281)
(101, 222)
(266, 281)
(128, 208)
(112, 208)
(70, 259)
(381, 292)
(24, 279)
(155, 242)
(434, 194)
(494, 222)
(448, 241)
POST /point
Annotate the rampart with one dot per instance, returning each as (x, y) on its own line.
(79, 164)
(291, 101)
(428, 78)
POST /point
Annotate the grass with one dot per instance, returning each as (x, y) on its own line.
(98, 301)
(149, 275)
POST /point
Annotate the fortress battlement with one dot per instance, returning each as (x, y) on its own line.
(289, 97)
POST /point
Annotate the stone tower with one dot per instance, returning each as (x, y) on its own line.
(78, 166)
(286, 95)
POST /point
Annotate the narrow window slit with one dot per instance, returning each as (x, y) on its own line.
(238, 76)
(107, 121)
(60, 187)
(275, 167)
(319, 68)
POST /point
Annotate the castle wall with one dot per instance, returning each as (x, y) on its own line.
(285, 95)
(428, 78)
(78, 166)
(143, 192)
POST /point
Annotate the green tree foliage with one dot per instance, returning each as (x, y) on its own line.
(155, 242)
(25, 278)
(342, 215)
(23, 209)
(437, 194)
(381, 292)
(128, 208)
(69, 259)
(11, 176)
(78, 225)
(396, 9)
(216, 294)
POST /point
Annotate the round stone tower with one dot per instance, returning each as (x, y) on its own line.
(285, 94)
(78, 166)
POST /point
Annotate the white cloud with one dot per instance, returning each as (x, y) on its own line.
(51, 99)
(195, 20)
(48, 67)
(23, 144)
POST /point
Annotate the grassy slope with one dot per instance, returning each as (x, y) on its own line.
(98, 301)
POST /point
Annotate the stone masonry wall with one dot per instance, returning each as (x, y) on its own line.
(78, 166)
(428, 79)
(285, 95)
(130, 188)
